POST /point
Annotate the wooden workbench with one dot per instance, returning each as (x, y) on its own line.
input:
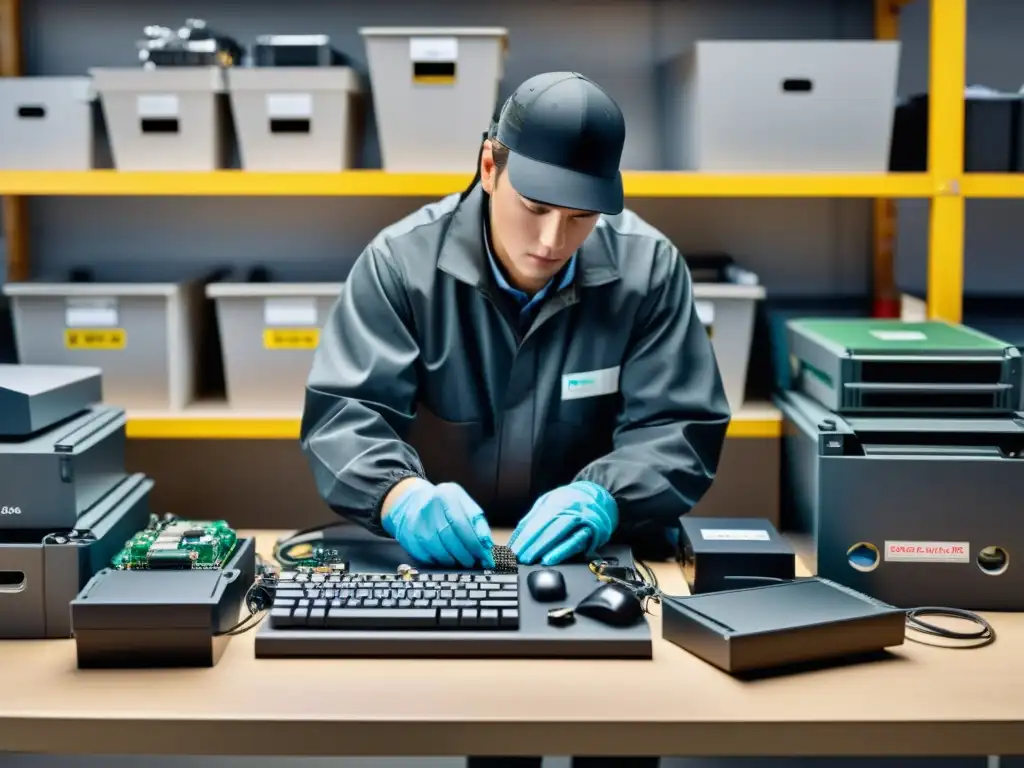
(922, 701)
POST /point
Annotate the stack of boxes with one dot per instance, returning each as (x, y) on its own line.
(903, 460)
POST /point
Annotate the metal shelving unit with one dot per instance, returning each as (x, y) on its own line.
(944, 184)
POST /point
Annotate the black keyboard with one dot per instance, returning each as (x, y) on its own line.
(386, 601)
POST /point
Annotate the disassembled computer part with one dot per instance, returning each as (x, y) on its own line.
(505, 560)
(175, 544)
(561, 617)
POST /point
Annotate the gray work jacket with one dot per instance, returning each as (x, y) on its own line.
(423, 370)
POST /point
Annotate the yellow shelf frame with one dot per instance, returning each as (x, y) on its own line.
(204, 422)
(376, 183)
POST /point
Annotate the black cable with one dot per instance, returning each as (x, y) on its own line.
(983, 635)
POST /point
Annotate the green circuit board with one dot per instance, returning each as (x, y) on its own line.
(176, 544)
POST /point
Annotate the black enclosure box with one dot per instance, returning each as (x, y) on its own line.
(143, 618)
(781, 625)
(992, 134)
(731, 553)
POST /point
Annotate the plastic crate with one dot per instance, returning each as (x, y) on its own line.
(144, 334)
(796, 106)
(726, 298)
(269, 330)
(47, 124)
(434, 93)
(165, 119)
(295, 118)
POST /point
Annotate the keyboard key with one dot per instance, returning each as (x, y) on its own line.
(382, 618)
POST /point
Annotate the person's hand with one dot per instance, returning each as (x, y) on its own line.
(439, 525)
(579, 517)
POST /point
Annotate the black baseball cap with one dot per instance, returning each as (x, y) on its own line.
(565, 135)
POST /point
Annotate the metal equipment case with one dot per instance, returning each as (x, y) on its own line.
(43, 572)
(909, 510)
(899, 368)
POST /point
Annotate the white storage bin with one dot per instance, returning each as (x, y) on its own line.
(434, 94)
(269, 332)
(726, 299)
(295, 118)
(766, 106)
(46, 124)
(144, 334)
(165, 119)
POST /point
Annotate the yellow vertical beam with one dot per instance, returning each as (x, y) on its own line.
(883, 273)
(15, 212)
(946, 158)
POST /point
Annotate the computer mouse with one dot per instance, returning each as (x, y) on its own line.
(612, 604)
(546, 585)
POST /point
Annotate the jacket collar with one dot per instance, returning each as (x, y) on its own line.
(464, 257)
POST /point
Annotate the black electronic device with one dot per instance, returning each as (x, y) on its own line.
(296, 51)
(546, 585)
(781, 624)
(41, 572)
(155, 617)
(193, 44)
(344, 592)
(718, 553)
(612, 604)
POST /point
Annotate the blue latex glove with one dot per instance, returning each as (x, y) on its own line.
(440, 525)
(579, 517)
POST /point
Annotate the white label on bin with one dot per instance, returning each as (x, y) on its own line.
(290, 105)
(158, 106)
(90, 313)
(733, 534)
(443, 49)
(290, 312)
(928, 551)
(898, 335)
(706, 312)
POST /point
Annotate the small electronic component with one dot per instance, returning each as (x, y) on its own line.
(504, 560)
(561, 617)
(176, 544)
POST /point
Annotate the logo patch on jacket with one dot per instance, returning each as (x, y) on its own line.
(590, 383)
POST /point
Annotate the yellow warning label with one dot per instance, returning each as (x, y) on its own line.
(434, 79)
(95, 338)
(291, 338)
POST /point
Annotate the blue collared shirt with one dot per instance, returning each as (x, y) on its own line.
(527, 304)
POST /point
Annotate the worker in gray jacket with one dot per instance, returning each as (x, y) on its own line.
(526, 354)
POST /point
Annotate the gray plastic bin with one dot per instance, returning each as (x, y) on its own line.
(269, 332)
(144, 335)
(764, 106)
(727, 308)
(165, 119)
(46, 124)
(434, 93)
(295, 118)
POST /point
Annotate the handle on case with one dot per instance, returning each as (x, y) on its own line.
(12, 581)
(797, 85)
(31, 111)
